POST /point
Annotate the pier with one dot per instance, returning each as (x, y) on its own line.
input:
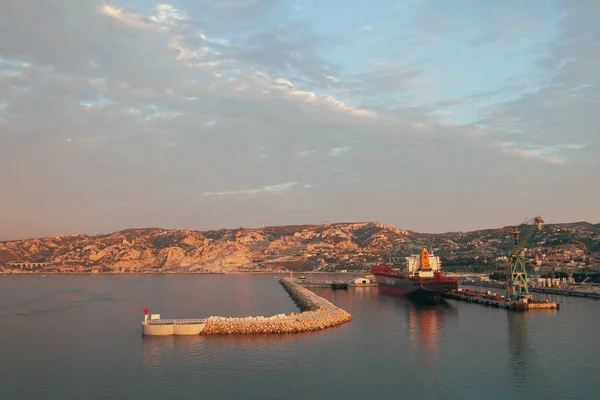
(545, 290)
(316, 314)
(494, 300)
(567, 292)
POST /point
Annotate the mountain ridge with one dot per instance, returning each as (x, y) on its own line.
(349, 245)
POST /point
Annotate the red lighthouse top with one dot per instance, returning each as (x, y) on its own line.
(146, 311)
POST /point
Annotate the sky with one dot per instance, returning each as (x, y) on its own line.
(430, 115)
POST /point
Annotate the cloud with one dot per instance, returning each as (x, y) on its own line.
(339, 151)
(167, 14)
(166, 17)
(130, 19)
(288, 50)
(353, 110)
(289, 89)
(553, 120)
(305, 153)
(272, 189)
(507, 148)
(389, 79)
(365, 28)
(149, 101)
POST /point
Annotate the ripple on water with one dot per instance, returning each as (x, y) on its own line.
(32, 313)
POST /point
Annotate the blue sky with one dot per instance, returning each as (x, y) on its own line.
(430, 115)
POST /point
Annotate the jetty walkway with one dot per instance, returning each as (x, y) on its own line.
(317, 313)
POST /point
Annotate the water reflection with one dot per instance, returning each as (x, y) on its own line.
(392, 348)
(520, 353)
(425, 326)
(154, 345)
(198, 349)
(214, 360)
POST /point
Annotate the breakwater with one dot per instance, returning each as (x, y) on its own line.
(316, 314)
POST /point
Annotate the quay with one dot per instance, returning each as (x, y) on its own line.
(316, 314)
(566, 292)
(545, 290)
(494, 300)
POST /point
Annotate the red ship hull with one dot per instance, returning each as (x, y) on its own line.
(393, 290)
(396, 283)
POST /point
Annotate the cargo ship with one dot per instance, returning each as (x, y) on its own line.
(422, 278)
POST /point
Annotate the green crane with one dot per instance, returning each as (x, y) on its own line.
(516, 277)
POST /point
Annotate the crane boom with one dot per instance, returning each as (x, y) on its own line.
(521, 242)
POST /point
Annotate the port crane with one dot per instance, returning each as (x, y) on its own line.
(516, 277)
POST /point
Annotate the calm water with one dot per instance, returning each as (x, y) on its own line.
(79, 337)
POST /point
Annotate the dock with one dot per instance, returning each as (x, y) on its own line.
(316, 314)
(566, 292)
(544, 290)
(494, 300)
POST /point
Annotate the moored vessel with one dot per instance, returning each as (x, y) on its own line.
(421, 278)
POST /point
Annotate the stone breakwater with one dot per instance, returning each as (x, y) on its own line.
(311, 323)
(317, 314)
(304, 298)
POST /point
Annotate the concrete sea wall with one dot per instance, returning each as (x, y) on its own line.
(172, 329)
(316, 314)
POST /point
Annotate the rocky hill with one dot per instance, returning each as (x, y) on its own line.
(301, 247)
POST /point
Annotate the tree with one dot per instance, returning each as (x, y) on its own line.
(498, 276)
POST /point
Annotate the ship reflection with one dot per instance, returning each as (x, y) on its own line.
(425, 325)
